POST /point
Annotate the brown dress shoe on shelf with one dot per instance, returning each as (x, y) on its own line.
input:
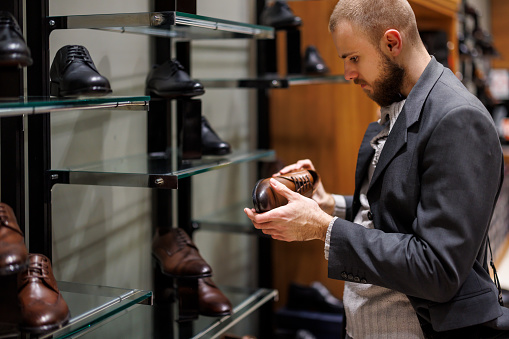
(42, 306)
(301, 181)
(13, 252)
(211, 301)
(177, 255)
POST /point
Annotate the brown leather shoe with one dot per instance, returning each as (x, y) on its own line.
(211, 301)
(177, 255)
(301, 181)
(42, 305)
(13, 252)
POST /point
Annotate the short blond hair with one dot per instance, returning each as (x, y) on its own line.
(375, 17)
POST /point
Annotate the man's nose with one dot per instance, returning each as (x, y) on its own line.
(350, 73)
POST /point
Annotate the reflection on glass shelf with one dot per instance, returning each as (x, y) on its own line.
(89, 305)
(154, 171)
(143, 321)
(229, 219)
(168, 24)
(273, 81)
(315, 79)
(35, 105)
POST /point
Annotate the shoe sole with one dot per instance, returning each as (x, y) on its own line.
(15, 60)
(256, 204)
(171, 95)
(88, 91)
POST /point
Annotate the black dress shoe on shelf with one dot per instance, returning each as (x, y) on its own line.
(13, 48)
(315, 297)
(211, 143)
(73, 73)
(170, 80)
(279, 15)
(313, 62)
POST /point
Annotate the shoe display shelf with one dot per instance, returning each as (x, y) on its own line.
(167, 24)
(89, 305)
(162, 171)
(157, 321)
(229, 219)
(36, 105)
(274, 81)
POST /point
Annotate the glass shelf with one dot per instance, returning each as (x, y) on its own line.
(316, 79)
(170, 24)
(158, 321)
(89, 305)
(273, 81)
(151, 171)
(36, 105)
(230, 219)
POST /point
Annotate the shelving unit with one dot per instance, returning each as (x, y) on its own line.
(167, 24)
(10, 107)
(126, 320)
(164, 169)
(160, 171)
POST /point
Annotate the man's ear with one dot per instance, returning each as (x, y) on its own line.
(392, 42)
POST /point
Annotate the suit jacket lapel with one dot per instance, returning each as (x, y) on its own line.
(409, 115)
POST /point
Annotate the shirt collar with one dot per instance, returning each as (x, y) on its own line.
(390, 113)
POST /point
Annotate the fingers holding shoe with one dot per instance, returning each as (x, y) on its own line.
(320, 195)
(299, 220)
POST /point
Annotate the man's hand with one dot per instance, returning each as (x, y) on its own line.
(324, 199)
(300, 220)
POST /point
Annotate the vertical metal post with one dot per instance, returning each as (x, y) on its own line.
(293, 52)
(12, 176)
(39, 132)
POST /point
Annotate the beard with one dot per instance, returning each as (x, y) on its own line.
(387, 87)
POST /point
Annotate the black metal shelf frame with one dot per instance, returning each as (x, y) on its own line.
(38, 154)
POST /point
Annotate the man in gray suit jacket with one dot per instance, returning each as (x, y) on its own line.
(411, 243)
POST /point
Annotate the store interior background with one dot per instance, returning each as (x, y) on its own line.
(102, 235)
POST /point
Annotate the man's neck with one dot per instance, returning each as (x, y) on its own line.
(417, 63)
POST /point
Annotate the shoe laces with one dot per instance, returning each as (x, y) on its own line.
(8, 20)
(302, 183)
(183, 240)
(37, 270)
(77, 52)
(175, 66)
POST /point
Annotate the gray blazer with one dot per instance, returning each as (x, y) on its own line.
(432, 196)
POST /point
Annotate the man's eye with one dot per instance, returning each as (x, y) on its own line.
(354, 59)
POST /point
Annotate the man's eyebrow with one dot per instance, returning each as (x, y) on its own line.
(344, 56)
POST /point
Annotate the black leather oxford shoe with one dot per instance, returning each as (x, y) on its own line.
(279, 15)
(73, 73)
(315, 297)
(313, 62)
(13, 49)
(170, 80)
(211, 143)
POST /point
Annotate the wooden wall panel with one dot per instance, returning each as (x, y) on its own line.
(500, 28)
(324, 123)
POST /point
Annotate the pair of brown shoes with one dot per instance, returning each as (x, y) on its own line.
(40, 303)
(178, 257)
(300, 181)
